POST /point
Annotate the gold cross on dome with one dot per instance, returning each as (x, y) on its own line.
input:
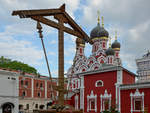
(98, 14)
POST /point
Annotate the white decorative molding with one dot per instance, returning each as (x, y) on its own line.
(103, 97)
(89, 97)
(81, 68)
(92, 67)
(91, 58)
(135, 95)
(119, 77)
(101, 58)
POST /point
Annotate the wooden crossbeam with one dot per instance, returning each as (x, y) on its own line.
(41, 12)
(37, 15)
(56, 25)
(74, 25)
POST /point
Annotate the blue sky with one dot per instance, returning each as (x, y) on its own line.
(19, 37)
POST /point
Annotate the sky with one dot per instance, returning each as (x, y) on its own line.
(19, 38)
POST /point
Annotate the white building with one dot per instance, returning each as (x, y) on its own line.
(8, 92)
(143, 67)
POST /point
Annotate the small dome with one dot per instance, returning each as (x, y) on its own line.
(116, 44)
(98, 31)
(110, 51)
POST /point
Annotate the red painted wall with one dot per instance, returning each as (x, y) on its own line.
(109, 79)
(128, 78)
(39, 89)
(49, 91)
(24, 87)
(126, 100)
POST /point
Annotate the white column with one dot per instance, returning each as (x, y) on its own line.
(119, 100)
(32, 87)
(45, 88)
(101, 103)
(131, 105)
(82, 93)
(143, 102)
(95, 103)
(76, 102)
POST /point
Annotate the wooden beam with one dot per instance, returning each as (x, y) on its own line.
(40, 12)
(76, 27)
(56, 25)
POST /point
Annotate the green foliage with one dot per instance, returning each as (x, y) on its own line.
(16, 65)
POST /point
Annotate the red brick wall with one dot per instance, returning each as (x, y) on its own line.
(109, 79)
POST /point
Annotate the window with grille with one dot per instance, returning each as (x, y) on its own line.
(92, 101)
(41, 85)
(22, 82)
(37, 85)
(26, 83)
(138, 104)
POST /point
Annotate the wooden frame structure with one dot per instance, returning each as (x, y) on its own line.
(62, 17)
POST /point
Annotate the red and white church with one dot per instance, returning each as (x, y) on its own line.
(98, 82)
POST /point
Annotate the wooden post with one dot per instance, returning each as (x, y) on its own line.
(61, 64)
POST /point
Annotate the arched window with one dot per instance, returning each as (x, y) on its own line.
(92, 102)
(99, 83)
(39, 94)
(137, 101)
(22, 82)
(105, 101)
(24, 93)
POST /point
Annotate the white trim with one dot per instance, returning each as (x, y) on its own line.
(134, 86)
(89, 97)
(102, 98)
(135, 95)
(119, 76)
(82, 93)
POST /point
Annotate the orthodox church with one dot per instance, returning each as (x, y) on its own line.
(96, 82)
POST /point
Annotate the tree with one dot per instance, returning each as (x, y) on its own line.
(16, 65)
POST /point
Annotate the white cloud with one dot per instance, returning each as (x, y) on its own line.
(55, 73)
(70, 62)
(51, 53)
(53, 42)
(21, 50)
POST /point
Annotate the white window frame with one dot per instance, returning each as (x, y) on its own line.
(103, 98)
(135, 95)
(93, 97)
(99, 81)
